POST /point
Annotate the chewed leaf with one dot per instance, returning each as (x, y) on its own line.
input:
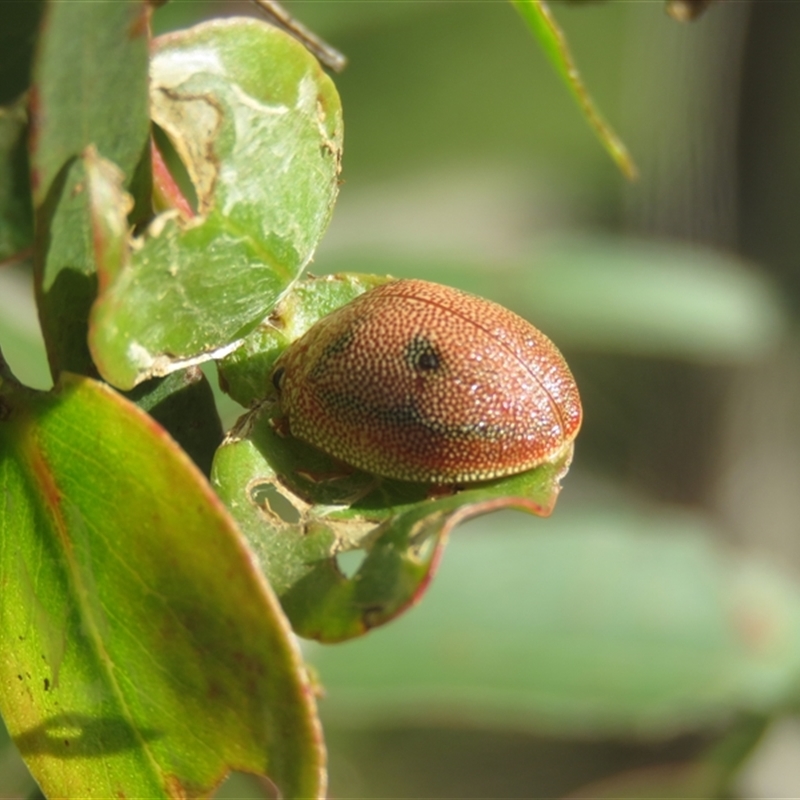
(144, 654)
(258, 126)
(302, 510)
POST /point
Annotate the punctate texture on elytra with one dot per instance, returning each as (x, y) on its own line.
(420, 382)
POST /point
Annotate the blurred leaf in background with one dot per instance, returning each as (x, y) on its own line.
(596, 621)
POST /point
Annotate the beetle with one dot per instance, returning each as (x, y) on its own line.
(421, 382)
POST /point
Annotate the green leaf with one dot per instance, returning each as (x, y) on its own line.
(258, 126)
(16, 209)
(300, 514)
(592, 623)
(302, 510)
(64, 269)
(540, 20)
(89, 88)
(143, 653)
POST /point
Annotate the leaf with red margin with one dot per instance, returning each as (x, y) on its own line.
(301, 509)
(142, 652)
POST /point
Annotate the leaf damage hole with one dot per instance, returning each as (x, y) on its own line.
(349, 562)
(422, 550)
(274, 503)
(373, 616)
(246, 785)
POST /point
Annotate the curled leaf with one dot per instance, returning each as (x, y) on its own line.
(302, 510)
(258, 127)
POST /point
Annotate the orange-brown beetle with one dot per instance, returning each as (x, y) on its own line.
(420, 382)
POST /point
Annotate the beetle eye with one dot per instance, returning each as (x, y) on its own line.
(277, 377)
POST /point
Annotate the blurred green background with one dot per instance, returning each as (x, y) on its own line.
(645, 640)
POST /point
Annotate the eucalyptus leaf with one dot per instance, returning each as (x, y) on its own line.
(143, 653)
(302, 511)
(258, 127)
(89, 88)
(596, 622)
